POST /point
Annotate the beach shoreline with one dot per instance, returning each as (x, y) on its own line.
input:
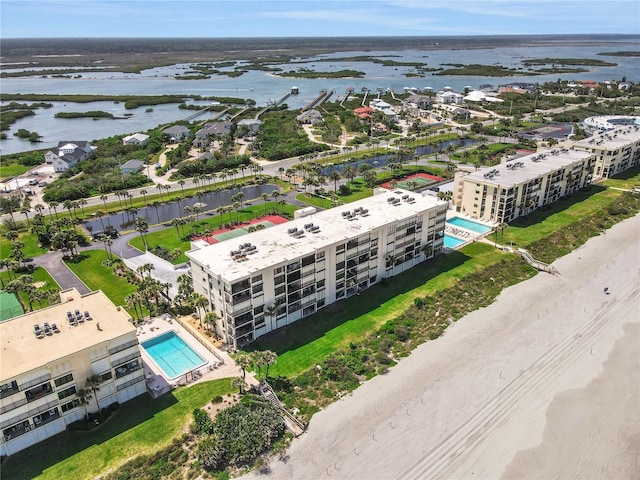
(490, 398)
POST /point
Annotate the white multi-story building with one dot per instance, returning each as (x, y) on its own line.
(286, 272)
(614, 150)
(515, 188)
(46, 357)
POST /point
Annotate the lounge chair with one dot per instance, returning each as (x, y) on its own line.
(38, 331)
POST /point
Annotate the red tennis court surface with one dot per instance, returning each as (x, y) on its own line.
(223, 234)
(422, 179)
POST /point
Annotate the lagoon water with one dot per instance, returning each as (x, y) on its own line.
(263, 86)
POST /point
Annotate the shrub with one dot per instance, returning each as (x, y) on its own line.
(201, 421)
(344, 190)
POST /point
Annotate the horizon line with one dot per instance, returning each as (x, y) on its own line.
(331, 36)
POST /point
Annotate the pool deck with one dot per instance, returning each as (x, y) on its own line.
(158, 384)
(468, 236)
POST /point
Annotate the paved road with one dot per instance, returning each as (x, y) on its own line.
(52, 261)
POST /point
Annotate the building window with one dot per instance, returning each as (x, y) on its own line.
(46, 417)
(64, 379)
(278, 271)
(38, 392)
(16, 430)
(67, 392)
(319, 256)
(256, 279)
(8, 389)
(69, 406)
(128, 368)
(106, 376)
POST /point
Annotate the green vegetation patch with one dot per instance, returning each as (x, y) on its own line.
(140, 426)
(281, 137)
(90, 114)
(483, 71)
(591, 62)
(88, 266)
(12, 170)
(311, 339)
(306, 73)
(622, 54)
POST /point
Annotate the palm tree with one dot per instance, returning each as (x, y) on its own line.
(243, 360)
(271, 311)
(144, 196)
(427, 249)
(199, 301)
(84, 396)
(349, 173)
(93, 383)
(211, 319)
(265, 197)
(104, 200)
(268, 358)
(142, 226)
(156, 205)
(238, 382)
(334, 176)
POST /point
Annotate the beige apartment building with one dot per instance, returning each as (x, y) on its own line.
(507, 191)
(615, 150)
(46, 357)
(281, 274)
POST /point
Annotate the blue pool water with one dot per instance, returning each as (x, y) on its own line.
(468, 224)
(451, 242)
(172, 354)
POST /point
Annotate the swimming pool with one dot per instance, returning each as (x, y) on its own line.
(172, 354)
(452, 242)
(468, 225)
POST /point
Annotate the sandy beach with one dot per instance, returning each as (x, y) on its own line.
(544, 383)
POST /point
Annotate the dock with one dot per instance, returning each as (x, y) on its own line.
(319, 100)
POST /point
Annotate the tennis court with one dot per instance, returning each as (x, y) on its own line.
(9, 306)
(413, 182)
(257, 224)
(238, 232)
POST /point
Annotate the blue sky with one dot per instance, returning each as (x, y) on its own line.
(279, 18)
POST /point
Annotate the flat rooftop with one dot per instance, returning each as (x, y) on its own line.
(528, 167)
(611, 139)
(275, 245)
(21, 351)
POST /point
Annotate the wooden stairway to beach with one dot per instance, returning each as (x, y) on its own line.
(295, 426)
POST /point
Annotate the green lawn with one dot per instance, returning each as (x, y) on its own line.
(626, 180)
(542, 223)
(88, 267)
(40, 274)
(140, 426)
(309, 340)
(169, 239)
(13, 170)
(31, 247)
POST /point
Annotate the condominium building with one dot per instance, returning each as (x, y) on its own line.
(46, 357)
(614, 150)
(504, 192)
(289, 271)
